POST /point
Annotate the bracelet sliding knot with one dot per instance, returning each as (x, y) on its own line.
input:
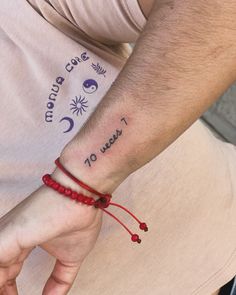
(103, 202)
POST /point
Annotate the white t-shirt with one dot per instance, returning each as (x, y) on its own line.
(58, 59)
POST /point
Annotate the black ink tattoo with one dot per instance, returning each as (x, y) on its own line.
(112, 140)
(123, 119)
(93, 157)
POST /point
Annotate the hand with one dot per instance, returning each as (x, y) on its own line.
(65, 229)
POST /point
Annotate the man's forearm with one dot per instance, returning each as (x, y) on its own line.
(183, 61)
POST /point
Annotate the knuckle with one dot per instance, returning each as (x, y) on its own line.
(3, 278)
(11, 282)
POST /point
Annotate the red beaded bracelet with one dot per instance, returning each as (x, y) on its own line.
(103, 202)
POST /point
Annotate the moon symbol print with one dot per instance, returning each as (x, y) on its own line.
(90, 86)
(79, 105)
(71, 123)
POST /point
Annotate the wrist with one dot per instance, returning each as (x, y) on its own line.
(103, 178)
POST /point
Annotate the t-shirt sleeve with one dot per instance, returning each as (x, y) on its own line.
(107, 21)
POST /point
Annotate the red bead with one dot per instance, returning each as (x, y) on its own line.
(61, 189)
(91, 201)
(68, 192)
(45, 178)
(55, 185)
(80, 198)
(135, 238)
(87, 200)
(51, 182)
(74, 195)
(45, 181)
(143, 226)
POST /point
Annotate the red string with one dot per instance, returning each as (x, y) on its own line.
(79, 182)
(125, 209)
(102, 205)
(109, 213)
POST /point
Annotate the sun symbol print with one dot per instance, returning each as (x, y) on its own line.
(79, 105)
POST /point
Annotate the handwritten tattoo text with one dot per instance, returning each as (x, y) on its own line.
(93, 157)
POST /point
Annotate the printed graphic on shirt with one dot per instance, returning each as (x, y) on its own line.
(78, 103)
(71, 123)
(90, 86)
(99, 69)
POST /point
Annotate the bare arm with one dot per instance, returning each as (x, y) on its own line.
(146, 6)
(183, 61)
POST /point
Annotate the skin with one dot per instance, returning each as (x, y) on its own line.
(146, 6)
(184, 59)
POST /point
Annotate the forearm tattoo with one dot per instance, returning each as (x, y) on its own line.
(107, 145)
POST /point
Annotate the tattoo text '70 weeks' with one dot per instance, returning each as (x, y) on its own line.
(107, 145)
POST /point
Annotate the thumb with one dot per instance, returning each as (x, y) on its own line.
(10, 247)
(9, 244)
(61, 278)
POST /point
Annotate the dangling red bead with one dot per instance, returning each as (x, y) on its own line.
(143, 226)
(135, 238)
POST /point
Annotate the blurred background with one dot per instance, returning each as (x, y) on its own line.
(221, 117)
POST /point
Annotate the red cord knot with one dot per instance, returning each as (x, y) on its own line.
(143, 226)
(103, 201)
(135, 238)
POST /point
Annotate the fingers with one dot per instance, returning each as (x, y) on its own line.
(61, 279)
(7, 277)
(9, 272)
(10, 288)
